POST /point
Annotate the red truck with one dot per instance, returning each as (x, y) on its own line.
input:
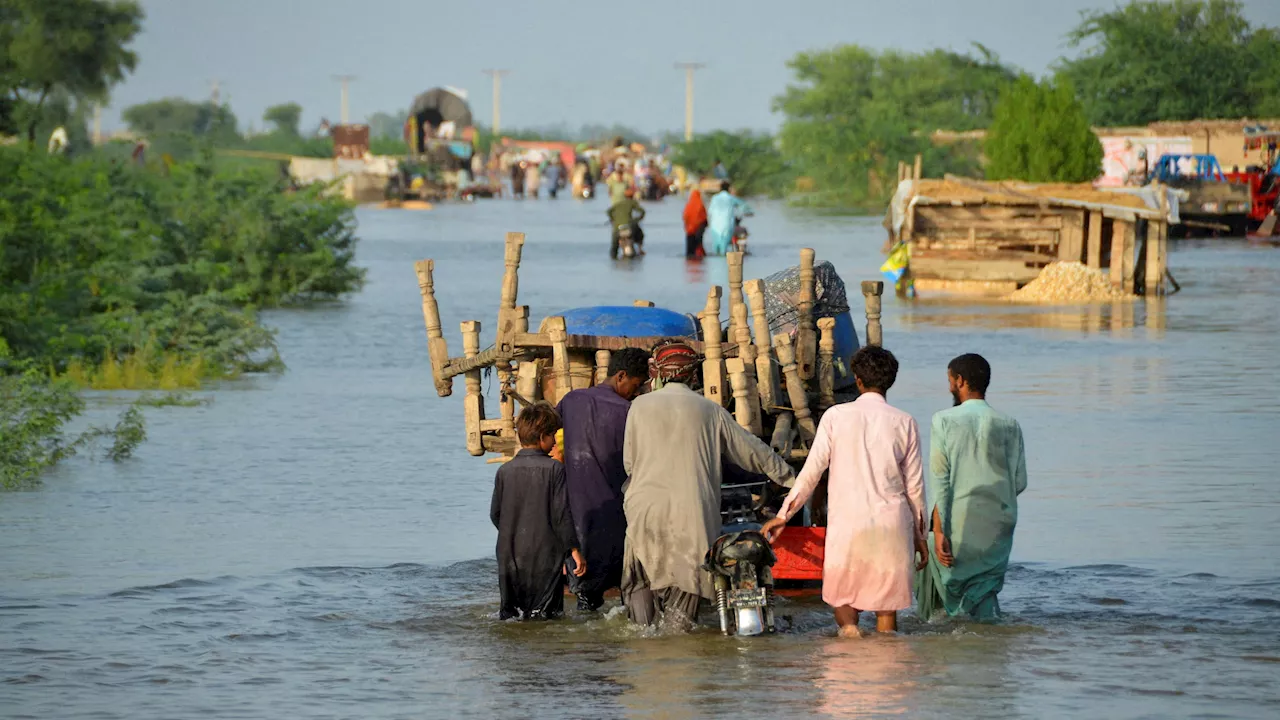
(1263, 177)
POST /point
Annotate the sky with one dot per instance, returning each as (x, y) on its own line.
(571, 61)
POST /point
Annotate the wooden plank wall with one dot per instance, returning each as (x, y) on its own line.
(1011, 244)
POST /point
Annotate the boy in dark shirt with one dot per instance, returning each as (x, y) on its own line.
(530, 508)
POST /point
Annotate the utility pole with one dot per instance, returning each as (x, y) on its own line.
(346, 81)
(497, 97)
(689, 68)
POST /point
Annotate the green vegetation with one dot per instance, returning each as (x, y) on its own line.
(180, 128)
(287, 118)
(64, 54)
(1179, 60)
(752, 159)
(34, 410)
(119, 277)
(172, 399)
(855, 113)
(1040, 133)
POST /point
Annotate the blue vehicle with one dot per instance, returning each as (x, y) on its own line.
(1216, 204)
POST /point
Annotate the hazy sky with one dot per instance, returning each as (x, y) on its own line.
(571, 61)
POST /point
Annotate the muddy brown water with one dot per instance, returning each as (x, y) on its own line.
(315, 544)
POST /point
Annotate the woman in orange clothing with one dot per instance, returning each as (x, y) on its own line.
(695, 224)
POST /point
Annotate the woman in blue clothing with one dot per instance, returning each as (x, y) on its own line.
(722, 216)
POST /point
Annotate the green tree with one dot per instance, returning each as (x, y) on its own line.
(177, 127)
(1040, 134)
(177, 115)
(752, 159)
(76, 47)
(1178, 60)
(286, 117)
(854, 113)
(388, 125)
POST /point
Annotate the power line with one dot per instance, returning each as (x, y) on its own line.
(689, 68)
(497, 97)
(345, 80)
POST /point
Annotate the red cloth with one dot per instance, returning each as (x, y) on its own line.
(695, 213)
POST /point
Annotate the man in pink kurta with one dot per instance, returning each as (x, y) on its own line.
(875, 498)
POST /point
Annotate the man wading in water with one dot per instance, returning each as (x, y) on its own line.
(595, 423)
(875, 499)
(978, 467)
(675, 443)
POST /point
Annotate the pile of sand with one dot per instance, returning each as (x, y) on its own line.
(1063, 283)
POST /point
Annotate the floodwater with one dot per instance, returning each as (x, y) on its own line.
(315, 544)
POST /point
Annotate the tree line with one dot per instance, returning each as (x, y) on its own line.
(851, 113)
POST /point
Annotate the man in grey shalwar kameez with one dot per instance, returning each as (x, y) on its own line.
(674, 446)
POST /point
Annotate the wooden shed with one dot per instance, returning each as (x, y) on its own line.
(973, 237)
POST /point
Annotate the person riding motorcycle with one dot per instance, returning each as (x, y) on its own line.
(626, 213)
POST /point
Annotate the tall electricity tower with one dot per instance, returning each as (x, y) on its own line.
(689, 68)
(346, 81)
(497, 97)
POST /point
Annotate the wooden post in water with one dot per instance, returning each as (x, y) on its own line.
(473, 403)
(741, 403)
(1071, 237)
(559, 358)
(826, 363)
(766, 373)
(871, 292)
(795, 387)
(437, 348)
(1116, 273)
(747, 352)
(1154, 271)
(1093, 256)
(1128, 249)
(806, 331)
(713, 366)
(602, 365)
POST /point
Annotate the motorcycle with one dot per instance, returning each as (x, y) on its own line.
(626, 246)
(739, 239)
(740, 234)
(741, 563)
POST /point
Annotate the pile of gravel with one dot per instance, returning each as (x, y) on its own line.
(1063, 283)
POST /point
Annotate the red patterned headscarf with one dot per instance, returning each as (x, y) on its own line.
(675, 361)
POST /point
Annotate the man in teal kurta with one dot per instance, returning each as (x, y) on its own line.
(977, 469)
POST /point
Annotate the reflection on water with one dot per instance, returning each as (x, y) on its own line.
(1118, 319)
(316, 544)
(873, 676)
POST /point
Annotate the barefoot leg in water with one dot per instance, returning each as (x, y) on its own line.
(886, 621)
(847, 619)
